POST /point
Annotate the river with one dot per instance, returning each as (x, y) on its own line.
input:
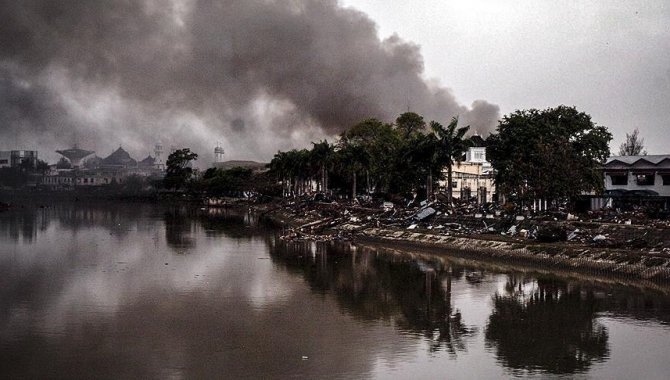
(103, 290)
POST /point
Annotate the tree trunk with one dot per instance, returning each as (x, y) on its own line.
(429, 185)
(323, 178)
(353, 189)
(367, 178)
(449, 183)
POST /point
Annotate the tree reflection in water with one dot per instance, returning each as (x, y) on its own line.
(545, 325)
(371, 286)
(179, 228)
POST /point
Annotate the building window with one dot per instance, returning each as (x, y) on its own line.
(645, 179)
(666, 179)
(619, 180)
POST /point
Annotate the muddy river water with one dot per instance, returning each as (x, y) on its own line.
(102, 290)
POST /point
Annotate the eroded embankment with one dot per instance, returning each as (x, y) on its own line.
(593, 260)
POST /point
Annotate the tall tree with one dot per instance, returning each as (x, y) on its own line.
(178, 168)
(452, 145)
(322, 156)
(548, 154)
(410, 122)
(352, 159)
(633, 146)
(379, 143)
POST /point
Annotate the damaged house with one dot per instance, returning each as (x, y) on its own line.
(639, 179)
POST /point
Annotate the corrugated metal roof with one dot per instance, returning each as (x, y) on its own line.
(630, 160)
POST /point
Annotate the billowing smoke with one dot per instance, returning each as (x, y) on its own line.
(258, 75)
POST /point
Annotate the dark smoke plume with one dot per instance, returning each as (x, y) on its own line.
(260, 75)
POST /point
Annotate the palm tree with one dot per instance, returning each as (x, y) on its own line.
(321, 156)
(352, 159)
(452, 146)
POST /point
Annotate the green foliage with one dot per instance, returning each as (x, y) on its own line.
(227, 182)
(179, 172)
(409, 123)
(551, 154)
(452, 146)
(375, 156)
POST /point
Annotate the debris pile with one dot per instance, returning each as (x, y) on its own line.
(322, 218)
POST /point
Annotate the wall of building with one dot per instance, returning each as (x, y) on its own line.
(632, 184)
(5, 159)
(471, 178)
(14, 158)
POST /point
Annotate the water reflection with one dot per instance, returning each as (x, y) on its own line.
(373, 286)
(91, 290)
(179, 229)
(22, 227)
(546, 325)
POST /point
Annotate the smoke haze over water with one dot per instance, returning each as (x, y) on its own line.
(257, 75)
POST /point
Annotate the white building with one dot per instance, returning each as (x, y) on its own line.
(473, 178)
(649, 173)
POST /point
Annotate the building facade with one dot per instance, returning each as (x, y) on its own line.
(114, 169)
(16, 158)
(472, 179)
(642, 174)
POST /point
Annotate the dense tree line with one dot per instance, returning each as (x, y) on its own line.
(374, 157)
(551, 154)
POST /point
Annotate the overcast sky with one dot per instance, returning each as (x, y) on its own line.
(259, 76)
(610, 59)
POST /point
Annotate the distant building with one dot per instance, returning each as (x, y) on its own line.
(218, 154)
(75, 155)
(473, 178)
(95, 171)
(119, 159)
(16, 158)
(5, 159)
(648, 175)
(148, 163)
(253, 165)
(159, 160)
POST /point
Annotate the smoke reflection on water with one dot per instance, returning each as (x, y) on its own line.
(142, 290)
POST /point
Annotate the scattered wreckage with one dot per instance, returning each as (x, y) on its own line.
(322, 218)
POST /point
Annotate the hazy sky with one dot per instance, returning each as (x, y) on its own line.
(261, 75)
(610, 59)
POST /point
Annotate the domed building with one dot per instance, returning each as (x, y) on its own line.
(119, 159)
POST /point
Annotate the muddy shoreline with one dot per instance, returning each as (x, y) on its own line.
(645, 268)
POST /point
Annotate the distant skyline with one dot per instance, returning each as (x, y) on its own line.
(262, 76)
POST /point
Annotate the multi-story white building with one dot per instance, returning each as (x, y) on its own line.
(650, 173)
(473, 178)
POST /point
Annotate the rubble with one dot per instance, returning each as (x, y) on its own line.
(321, 217)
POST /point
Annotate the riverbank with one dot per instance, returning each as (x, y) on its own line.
(628, 252)
(624, 250)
